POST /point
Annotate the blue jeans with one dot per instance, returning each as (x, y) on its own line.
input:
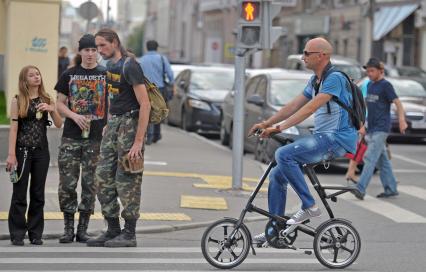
(289, 158)
(376, 156)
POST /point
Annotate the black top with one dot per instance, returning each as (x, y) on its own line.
(86, 92)
(31, 131)
(120, 88)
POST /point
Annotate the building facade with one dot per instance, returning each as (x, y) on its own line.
(205, 31)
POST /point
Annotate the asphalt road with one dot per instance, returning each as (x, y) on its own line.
(393, 233)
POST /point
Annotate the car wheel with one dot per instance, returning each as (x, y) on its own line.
(185, 123)
(258, 150)
(224, 135)
(231, 135)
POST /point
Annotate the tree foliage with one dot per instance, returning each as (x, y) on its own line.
(134, 41)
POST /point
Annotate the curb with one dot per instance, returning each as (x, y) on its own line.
(150, 229)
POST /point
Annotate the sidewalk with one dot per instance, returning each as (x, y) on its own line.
(178, 170)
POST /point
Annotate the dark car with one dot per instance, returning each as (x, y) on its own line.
(265, 93)
(200, 91)
(413, 99)
(347, 65)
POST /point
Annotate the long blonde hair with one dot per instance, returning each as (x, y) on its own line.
(24, 93)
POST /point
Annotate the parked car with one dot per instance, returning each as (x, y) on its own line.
(200, 91)
(406, 72)
(266, 92)
(413, 99)
(347, 65)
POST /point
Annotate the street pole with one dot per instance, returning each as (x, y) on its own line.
(238, 124)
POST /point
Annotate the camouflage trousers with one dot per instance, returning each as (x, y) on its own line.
(75, 155)
(114, 182)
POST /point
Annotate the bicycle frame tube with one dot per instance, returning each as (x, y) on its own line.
(309, 170)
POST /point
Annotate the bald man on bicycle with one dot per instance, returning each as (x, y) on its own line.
(333, 136)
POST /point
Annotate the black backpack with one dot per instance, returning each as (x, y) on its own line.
(358, 110)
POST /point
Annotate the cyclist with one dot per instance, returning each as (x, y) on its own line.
(333, 136)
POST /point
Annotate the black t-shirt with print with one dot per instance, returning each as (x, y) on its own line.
(87, 95)
(122, 97)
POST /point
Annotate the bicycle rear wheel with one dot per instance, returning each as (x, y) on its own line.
(337, 243)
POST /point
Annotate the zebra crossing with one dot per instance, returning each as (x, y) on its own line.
(80, 258)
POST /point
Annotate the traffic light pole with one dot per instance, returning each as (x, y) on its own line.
(238, 124)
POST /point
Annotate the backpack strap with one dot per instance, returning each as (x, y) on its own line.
(122, 71)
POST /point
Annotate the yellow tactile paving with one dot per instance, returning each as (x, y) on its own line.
(98, 215)
(213, 181)
(203, 202)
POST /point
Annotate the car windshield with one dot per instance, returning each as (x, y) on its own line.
(352, 71)
(411, 72)
(284, 90)
(408, 88)
(212, 80)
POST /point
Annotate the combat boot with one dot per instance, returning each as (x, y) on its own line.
(83, 223)
(113, 231)
(127, 238)
(68, 236)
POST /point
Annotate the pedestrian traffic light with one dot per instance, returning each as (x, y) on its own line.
(249, 33)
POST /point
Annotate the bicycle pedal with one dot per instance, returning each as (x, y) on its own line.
(265, 245)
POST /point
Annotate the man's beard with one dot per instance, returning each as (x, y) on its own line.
(107, 57)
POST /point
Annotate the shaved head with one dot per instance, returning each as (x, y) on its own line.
(317, 54)
(320, 44)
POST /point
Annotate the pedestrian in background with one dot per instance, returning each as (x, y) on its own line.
(358, 157)
(156, 68)
(122, 143)
(29, 155)
(63, 60)
(380, 96)
(82, 101)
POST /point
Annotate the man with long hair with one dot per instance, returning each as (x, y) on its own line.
(123, 139)
(82, 101)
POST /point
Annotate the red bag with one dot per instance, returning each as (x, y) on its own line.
(360, 151)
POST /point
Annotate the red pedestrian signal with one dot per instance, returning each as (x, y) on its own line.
(250, 10)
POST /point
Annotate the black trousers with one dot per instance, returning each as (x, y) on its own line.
(37, 164)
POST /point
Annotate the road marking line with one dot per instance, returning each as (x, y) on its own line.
(98, 215)
(84, 249)
(161, 163)
(413, 191)
(207, 269)
(385, 209)
(146, 261)
(403, 158)
(203, 202)
(408, 171)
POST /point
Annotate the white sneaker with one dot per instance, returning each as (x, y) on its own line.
(259, 239)
(303, 215)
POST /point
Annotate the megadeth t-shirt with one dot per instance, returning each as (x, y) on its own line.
(87, 94)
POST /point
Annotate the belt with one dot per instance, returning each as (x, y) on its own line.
(132, 113)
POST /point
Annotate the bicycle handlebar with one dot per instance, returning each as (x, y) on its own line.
(278, 136)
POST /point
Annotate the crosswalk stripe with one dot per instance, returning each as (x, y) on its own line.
(147, 261)
(10, 249)
(386, 209)
(413, 191)
(403, 158)
(174, 270)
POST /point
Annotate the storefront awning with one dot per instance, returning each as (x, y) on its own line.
(387, 18)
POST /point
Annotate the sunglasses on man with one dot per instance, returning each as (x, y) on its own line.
(307, 53)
